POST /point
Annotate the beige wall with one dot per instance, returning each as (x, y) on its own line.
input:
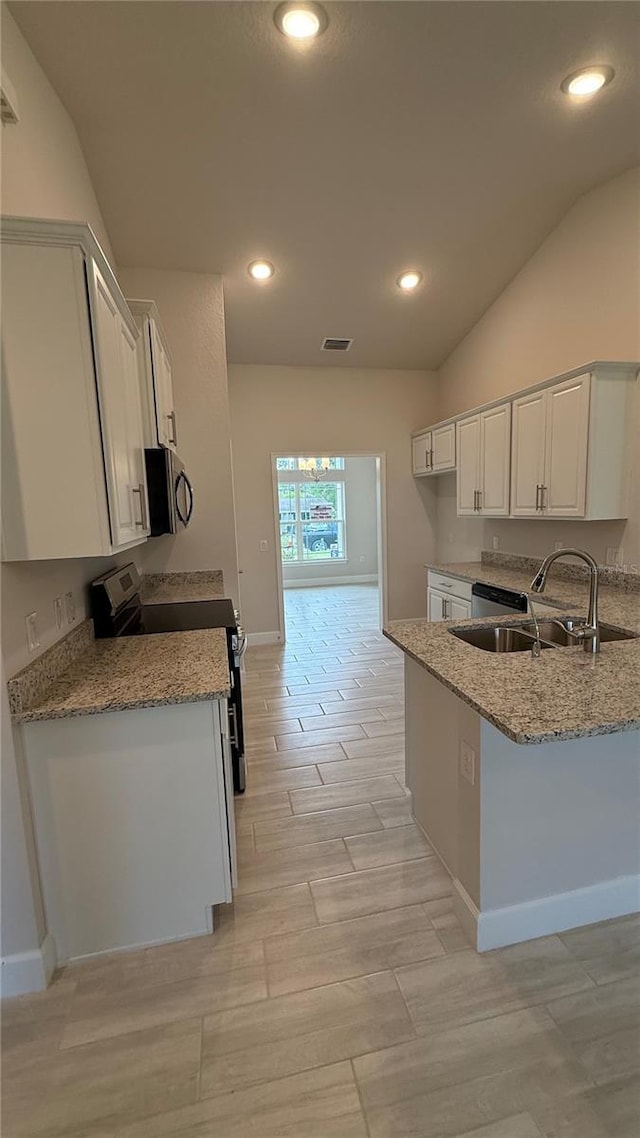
(329, 411)
(577, 299)
(191, 307)
(361, 530)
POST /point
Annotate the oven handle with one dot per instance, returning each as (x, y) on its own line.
(233, 717)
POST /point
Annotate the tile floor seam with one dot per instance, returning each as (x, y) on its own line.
(360, 1099)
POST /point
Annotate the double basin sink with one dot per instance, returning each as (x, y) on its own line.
(522, 637)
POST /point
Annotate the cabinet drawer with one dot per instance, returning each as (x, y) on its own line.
(450, 585)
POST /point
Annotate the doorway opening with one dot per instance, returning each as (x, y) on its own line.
(329, 515)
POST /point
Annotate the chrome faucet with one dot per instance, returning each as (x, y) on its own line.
(588, 633)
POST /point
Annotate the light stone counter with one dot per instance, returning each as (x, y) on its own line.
(167, 588)
(133, 672)
(565, 693)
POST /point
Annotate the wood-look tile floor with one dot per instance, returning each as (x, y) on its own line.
(338, 997)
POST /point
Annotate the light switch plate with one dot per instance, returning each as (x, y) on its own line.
(264, 545)
(70, 606)
(33, 640)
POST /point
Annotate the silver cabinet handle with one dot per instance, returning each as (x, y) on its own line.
(173, 437)
(538, 496)
(443, 608)
(139, 489)
(543, 497)
(475, 500)
(426, 458)
(479, 500)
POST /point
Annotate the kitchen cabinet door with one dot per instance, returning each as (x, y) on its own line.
(115, 402)
(421, 453)
(137, 470)
(165, 413)
(435, 605)
(468, 448)
(495, 453)
(457, 609)
(443, 456)
(528, 454)
(567, 435)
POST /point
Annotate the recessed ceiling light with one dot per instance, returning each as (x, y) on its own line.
(587, 80)
(261, 270)
(301, 20)
(409, 280)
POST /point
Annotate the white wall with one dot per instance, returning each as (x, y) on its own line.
(191, 307)
(577, 299)
(361, 530)
(288, 410)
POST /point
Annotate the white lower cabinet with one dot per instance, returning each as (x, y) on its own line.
(448, 598)
(133, 817)
(73, 475)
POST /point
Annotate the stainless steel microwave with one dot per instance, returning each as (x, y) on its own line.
(170, 491)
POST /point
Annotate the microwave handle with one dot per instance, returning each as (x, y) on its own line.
(189, 489)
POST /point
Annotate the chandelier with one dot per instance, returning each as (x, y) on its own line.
(315, 468)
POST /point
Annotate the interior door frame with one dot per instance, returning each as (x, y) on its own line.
(381, 526)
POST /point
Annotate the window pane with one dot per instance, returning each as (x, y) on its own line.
(286, 463)
(322, 540)
(288, 543)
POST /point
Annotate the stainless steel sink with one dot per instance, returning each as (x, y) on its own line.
(553, 634)
(558, 632)
(499, 639)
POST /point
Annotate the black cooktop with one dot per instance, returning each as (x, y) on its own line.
(184, 616)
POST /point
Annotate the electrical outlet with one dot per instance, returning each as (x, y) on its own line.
(468, 763)
(558, 545)
(264, 545)
(496, 541)
(614, 556)
(58, 612)
(361, 558)
(33, 640)
(70, 606)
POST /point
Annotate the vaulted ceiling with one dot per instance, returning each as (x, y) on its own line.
(421, 134)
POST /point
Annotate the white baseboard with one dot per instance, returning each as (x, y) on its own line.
(28, 971)
(254, 639)
(495, 928)
(363, 579)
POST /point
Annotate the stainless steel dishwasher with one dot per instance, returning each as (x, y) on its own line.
(489, 600)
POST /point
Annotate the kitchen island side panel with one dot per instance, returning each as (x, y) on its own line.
(557, 817)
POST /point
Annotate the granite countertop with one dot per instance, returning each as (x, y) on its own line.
(167, 588)
(563, 694)
(134, 672)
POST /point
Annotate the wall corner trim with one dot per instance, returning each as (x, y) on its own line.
(31, 971)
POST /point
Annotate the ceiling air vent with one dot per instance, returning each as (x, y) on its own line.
(332, 344)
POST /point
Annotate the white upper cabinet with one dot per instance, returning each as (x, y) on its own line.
(434, 451)
(528, 443)
(483, 462)
(73, 480)
(572, 443)
(154, 362)
(468, 464)
(420, 452)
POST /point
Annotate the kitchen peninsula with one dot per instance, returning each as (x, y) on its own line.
(525, 772)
